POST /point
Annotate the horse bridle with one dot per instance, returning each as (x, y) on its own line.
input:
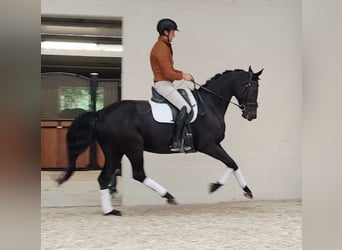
(241, 106)
(247, 104)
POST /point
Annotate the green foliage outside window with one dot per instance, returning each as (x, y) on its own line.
(79, 97)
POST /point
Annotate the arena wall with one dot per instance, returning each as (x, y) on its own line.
(215, 36)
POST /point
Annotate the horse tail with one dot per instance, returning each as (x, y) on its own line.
(80, 135)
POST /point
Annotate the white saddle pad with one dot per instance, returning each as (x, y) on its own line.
(162, 112)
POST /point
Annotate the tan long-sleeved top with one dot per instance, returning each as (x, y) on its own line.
(162, 62)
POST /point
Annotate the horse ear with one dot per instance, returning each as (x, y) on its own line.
(259, 73)
(250, 69)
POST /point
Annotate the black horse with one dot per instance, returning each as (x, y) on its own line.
(128, 128)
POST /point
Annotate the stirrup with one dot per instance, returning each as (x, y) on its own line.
(189, 149)
(188, 141)
(180, 146)
(176, 147)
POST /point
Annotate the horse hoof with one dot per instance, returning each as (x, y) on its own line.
(114, 212)
(248, 195)
(170, 199)
(172, 202)
(248, 192)
(214, 186)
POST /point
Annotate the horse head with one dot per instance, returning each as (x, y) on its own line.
(247, 95)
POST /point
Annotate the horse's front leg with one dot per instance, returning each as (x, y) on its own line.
(217, 152)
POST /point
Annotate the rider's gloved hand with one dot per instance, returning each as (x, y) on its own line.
(187, 76)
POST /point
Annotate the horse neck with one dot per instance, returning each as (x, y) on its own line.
(216, 103)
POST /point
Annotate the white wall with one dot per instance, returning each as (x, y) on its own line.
(322, 123)
(215, 36)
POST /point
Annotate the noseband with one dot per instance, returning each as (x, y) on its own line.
(245, 104)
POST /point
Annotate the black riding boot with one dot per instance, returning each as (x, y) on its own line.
(177, 141)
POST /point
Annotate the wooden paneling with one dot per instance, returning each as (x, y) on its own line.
(100, 156)
(54, 148)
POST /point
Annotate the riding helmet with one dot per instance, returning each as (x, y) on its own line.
(166, 24)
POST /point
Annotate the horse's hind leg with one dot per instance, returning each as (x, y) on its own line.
(137, 160)
(113, 181)
(219, 153)
(112, 162)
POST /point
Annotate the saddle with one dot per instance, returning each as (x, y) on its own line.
(165, 112)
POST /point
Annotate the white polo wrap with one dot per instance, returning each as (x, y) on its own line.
(241, 180)
(106, 201)
(225, 176)
(155, 186)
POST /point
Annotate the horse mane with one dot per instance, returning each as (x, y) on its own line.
(219, 75)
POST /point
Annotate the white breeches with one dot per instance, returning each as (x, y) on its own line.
(170, 93)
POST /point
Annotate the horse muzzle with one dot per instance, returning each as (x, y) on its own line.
(249, 111)
(249, 115)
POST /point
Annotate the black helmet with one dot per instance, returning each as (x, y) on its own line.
(166, 24)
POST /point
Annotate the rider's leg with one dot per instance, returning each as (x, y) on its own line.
(178, 133)
(169, 92)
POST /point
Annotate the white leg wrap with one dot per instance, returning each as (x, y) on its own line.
(240, 178)
(106, 201)
(155, 186)
(225, 176)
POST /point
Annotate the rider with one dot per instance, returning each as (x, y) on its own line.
(161, 59)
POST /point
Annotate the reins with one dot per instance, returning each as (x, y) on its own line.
(216, 94)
